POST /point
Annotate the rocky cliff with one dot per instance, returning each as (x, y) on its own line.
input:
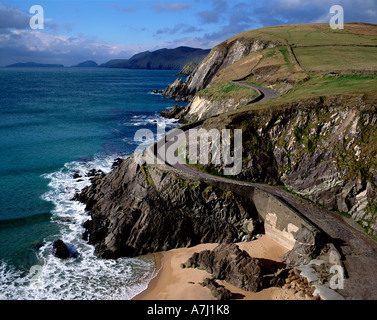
(220, 57)
(187, 69)
(321, 149)
(141, 209)
(203, 108)
(318, 146)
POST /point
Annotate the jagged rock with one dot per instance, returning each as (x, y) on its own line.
(174, 113)
(218, 292)
(142, 209)
(116, 163)
(307, 246)
(76, 175)
(64, 250)
(177, 86)
(94, 172)
(227, 262)
(187, 69)
(61, 250)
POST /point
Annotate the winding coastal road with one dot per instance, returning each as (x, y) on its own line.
(265, 94)
(359, 251)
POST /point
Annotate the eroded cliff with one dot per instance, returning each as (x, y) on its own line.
(318, 143)
(141, 209)
(220, 57)
(321, 149)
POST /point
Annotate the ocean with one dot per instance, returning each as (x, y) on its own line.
(55, 123)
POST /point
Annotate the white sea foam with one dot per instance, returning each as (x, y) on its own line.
(151, 120)
(157, 124)
(84, 277)
(155, 93)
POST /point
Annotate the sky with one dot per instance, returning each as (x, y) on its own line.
(80, 30)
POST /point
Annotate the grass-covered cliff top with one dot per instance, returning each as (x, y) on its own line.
(314, 34)
(306, 61)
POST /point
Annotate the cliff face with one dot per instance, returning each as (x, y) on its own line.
(187, 69)
(220, 57)
(141, 209)
(204, 108)
(322, 150)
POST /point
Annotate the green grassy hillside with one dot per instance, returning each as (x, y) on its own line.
(309, 61)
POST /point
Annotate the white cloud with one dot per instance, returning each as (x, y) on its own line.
(220, 21)
(41, 47)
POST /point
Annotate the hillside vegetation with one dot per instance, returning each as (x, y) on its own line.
(296, 61)
(299, 65)
(317, 138)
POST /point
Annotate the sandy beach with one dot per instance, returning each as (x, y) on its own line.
(175, 283)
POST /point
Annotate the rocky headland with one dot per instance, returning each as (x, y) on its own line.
(137, 209)
(304, 160)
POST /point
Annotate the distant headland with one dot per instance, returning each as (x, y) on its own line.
(33, 65)
(162, 59)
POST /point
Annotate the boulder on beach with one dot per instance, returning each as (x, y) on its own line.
(228, 262)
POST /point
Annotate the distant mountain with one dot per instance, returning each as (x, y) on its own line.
(86, 64)
(33, 65)
(116, 63)
(163, 59)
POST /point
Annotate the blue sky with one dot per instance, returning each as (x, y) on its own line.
(80, 30)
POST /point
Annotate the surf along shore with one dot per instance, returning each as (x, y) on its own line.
(172, 282)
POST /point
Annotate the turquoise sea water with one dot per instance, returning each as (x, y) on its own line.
(54, 123)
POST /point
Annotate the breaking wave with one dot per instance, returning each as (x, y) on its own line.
(83, 277)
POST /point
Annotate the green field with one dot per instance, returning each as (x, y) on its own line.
(317, 47)
(322, 34)
(309, 61)
(329, 85)
(337, 58)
